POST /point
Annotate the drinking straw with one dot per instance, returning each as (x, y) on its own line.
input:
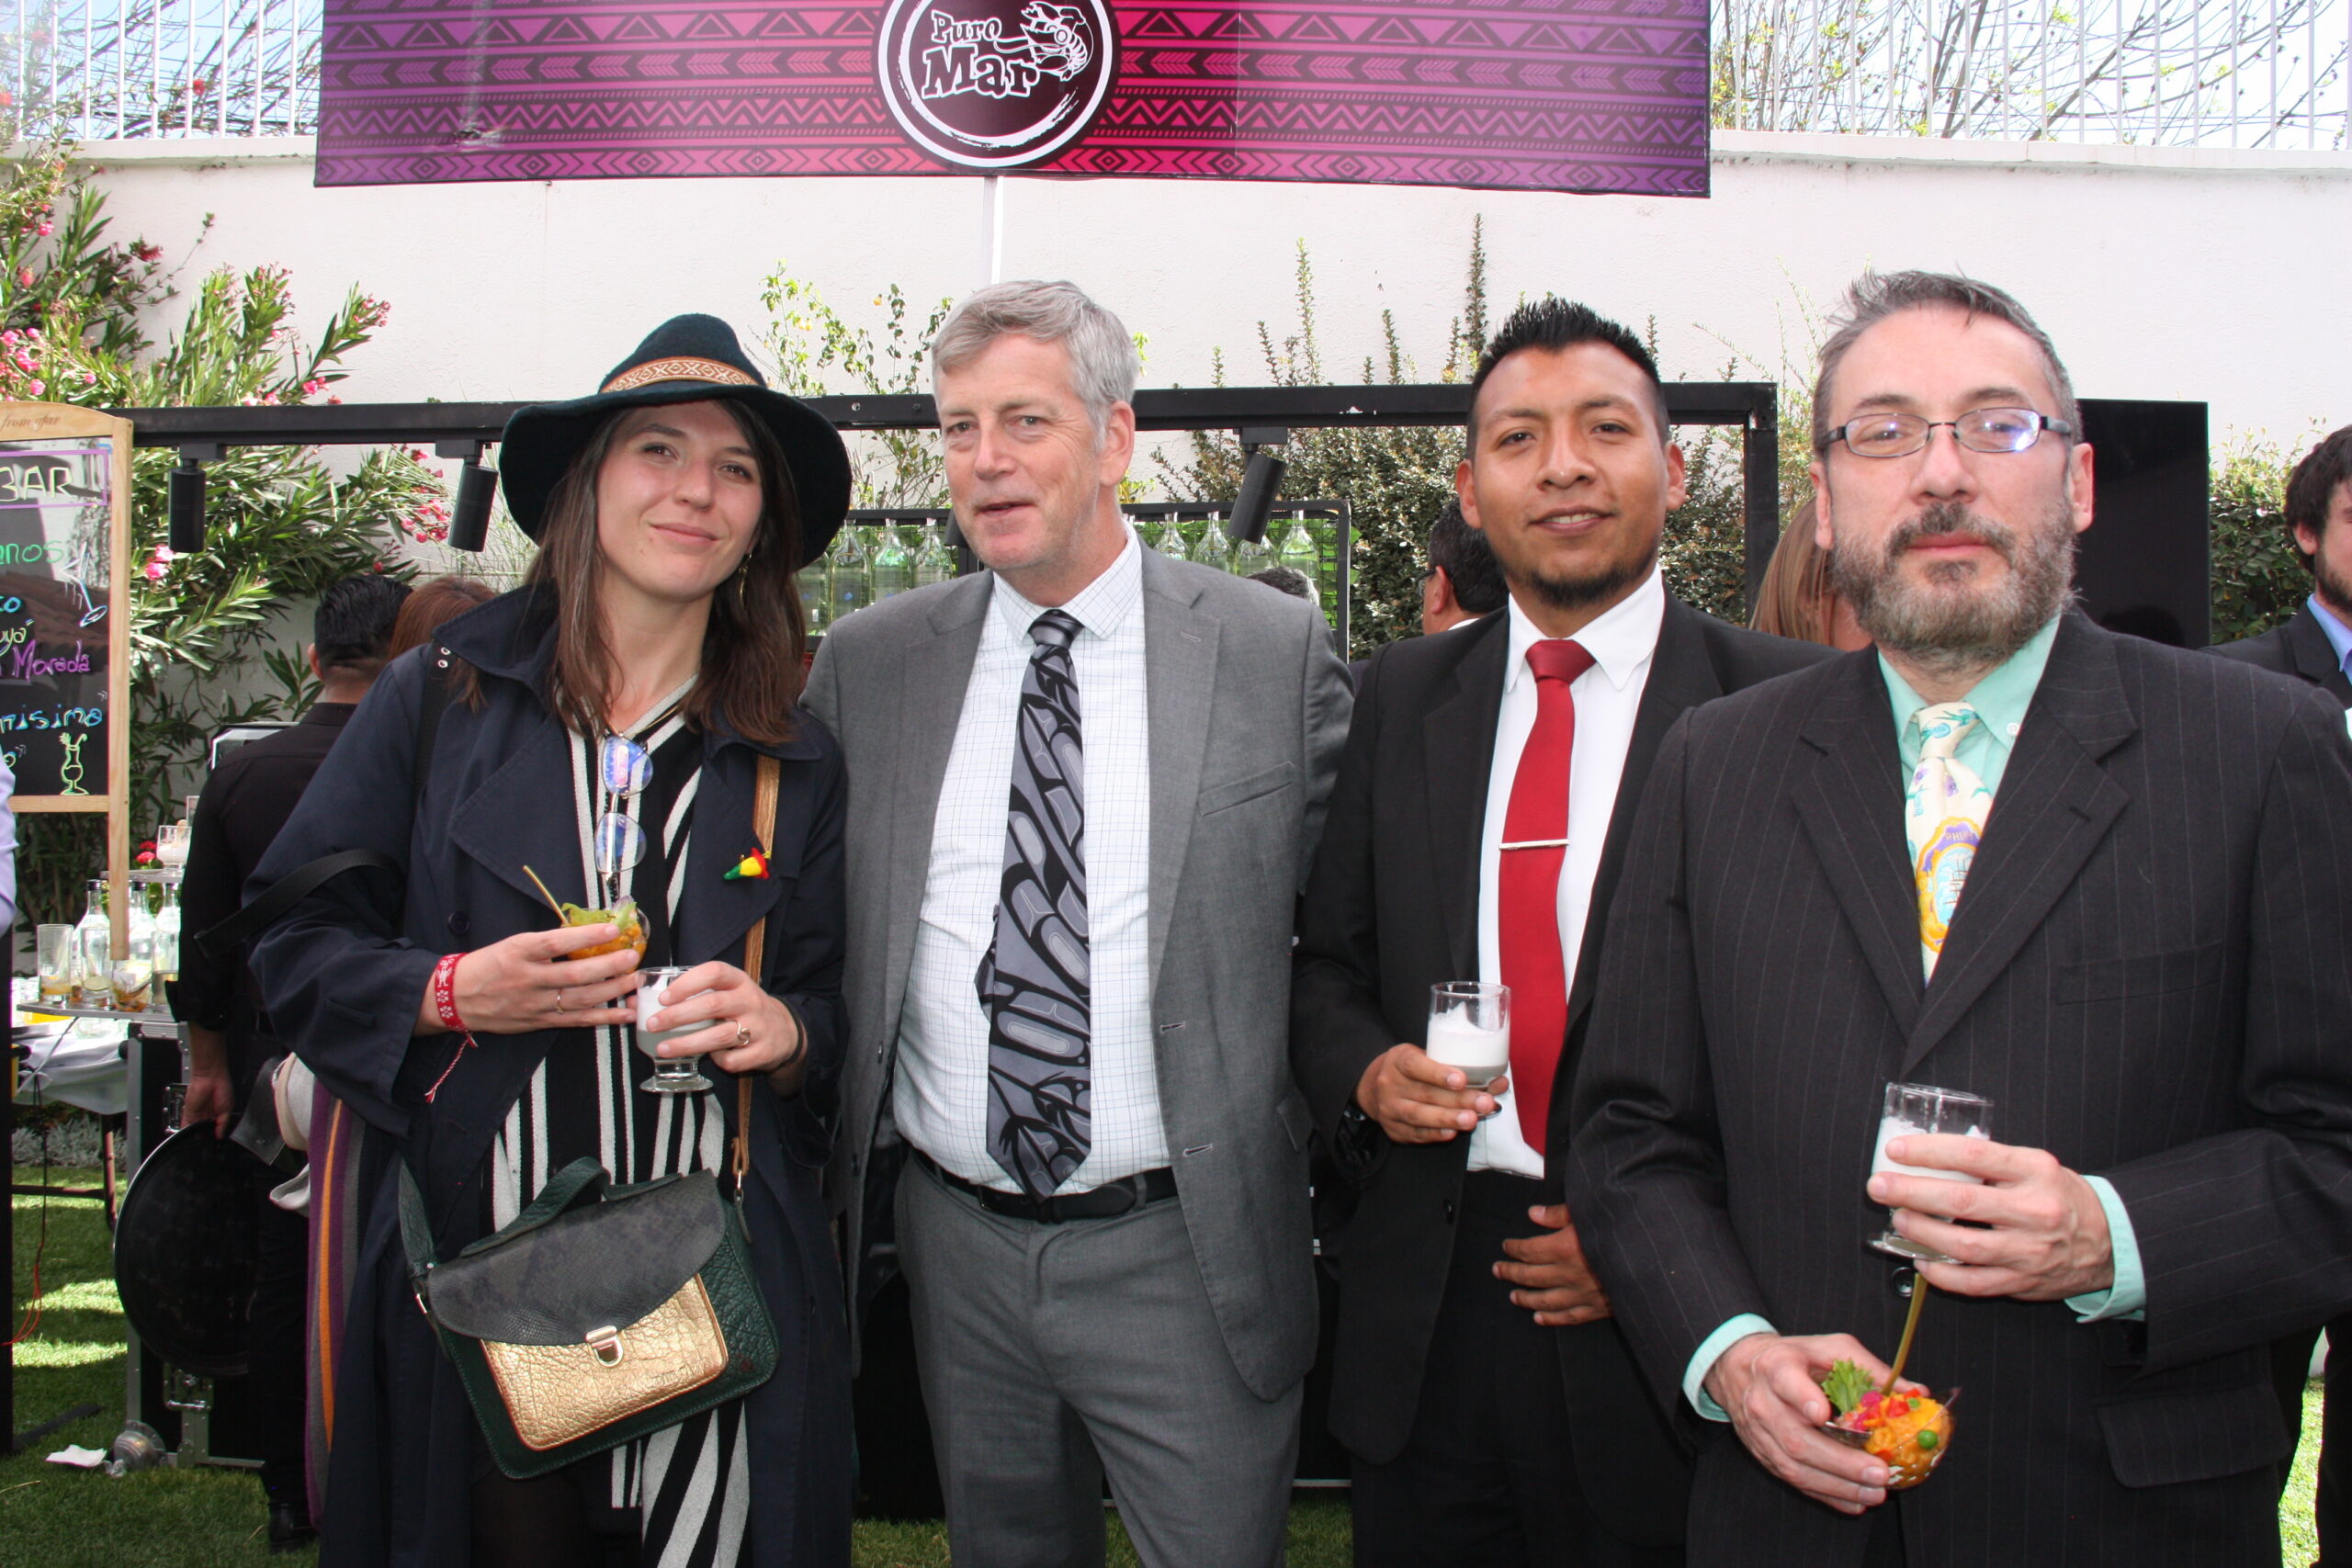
(543, 892)
(1910, 1329)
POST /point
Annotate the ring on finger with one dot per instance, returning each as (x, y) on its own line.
(742, 1032)
(559, 999)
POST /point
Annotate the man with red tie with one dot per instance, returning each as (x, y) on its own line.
(1492, 1411)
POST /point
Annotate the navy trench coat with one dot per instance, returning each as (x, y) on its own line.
(344, 972)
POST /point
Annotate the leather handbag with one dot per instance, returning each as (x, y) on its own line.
(603, 1314)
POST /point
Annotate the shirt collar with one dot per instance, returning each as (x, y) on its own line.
(2339, 635)
(1100, 607)
(1620, 639)
(2000, 699)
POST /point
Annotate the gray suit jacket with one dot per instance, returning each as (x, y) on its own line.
(1249, 709)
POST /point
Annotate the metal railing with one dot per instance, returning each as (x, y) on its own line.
(2267, 74)
(103, 70)
(2175, 73)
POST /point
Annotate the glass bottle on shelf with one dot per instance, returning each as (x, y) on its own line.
(894, 564)
(133, 975)
(934, 562)
(815, 595)
(1212, 548)
(167, 934)
(1168, 537)
(1297, 550)
(852, 575)
(93, 952)
(1252, 557)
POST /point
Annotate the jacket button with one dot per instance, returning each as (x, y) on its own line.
(878, 1057)
(461, 923)
(1448, 1211)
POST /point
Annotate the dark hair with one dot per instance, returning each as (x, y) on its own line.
(1285, 579)
(1468, 561)
(1552, 324)
(434, 605)
(1878, 295)
(353, 628)
(2312, 486)
(751, 654)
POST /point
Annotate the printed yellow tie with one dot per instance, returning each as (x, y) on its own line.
(1943, 811)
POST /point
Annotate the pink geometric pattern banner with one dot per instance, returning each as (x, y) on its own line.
(1527, 95)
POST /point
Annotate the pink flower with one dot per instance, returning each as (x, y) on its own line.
(89, 377)
(24, 278)
(158, 563)
(332, 400)
(313, 387)
(37, 387)
(46, 230)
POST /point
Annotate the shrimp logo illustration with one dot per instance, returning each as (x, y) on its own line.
(995, 84)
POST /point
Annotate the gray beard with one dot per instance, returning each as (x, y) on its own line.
(1941, 625)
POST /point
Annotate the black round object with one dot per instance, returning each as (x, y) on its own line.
(184, 1252)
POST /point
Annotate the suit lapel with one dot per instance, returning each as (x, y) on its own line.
(1850, 803)
(933, 674)
(1457, 762)
(2055, 803)
(1179, 686)
(1681, 677)
(509, 822)
(2314, 656)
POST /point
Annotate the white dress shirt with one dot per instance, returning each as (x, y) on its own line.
(1621, 641)
(940, 1099)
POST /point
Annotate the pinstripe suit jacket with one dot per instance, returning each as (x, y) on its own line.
(2148, 974)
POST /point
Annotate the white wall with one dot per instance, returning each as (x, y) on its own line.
(2160, 274)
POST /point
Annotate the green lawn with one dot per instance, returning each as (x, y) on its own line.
(55, 1517)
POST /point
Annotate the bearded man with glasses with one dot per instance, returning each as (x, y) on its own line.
(2143, 974)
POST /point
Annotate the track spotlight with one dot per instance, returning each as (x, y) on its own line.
(187, 510)
(1261, 483)
(477, 486)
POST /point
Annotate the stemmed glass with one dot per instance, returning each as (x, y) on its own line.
(1920, 1108)
(672, 1074)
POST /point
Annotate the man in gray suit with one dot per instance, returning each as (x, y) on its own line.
(1085, 788)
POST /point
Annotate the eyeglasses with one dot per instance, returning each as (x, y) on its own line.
(623, 769)
(1979, 430)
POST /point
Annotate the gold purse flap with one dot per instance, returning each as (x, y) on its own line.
(603, 1264)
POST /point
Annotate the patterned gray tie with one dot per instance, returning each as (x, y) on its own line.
(1033, 979)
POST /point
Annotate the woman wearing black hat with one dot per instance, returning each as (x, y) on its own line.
(604, 729)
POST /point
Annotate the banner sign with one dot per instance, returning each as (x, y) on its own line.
(1522, 95)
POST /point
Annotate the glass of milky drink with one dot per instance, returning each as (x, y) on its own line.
(1920, 1108)
(672, 1074)
(1470, 1028)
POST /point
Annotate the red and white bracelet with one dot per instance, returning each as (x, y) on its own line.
(445, 1003)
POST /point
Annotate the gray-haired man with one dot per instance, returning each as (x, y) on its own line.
(1087, 783)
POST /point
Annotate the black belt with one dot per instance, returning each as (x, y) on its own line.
(1113, 1198)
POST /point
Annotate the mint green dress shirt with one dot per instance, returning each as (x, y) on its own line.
(2000, 699)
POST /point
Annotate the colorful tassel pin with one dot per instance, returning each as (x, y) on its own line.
(753, 867)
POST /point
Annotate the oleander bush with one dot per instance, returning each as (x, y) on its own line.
(282, 524)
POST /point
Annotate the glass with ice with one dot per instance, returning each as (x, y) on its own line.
(1920, 1108)
(1470, 1028)
(672, 1074)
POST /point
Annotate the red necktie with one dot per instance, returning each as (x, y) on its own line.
(1526, 903)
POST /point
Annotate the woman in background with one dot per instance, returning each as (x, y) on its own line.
(1796, 600)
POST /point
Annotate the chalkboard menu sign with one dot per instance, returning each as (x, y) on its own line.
(65, 516)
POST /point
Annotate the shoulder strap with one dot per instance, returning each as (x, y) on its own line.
(220, 943)
(766, 788)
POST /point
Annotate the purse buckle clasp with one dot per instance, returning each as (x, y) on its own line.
(607, 1344)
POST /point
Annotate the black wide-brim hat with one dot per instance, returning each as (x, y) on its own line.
(686, 359)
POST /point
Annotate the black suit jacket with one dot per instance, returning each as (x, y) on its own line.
(2299, 648)
(1391, 909)
(2148, 975)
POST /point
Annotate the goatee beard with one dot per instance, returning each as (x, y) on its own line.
(1598, 587)
(1944, 624)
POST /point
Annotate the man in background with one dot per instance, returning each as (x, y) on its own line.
(2315, 646)
(246, 800)
(1464, 580)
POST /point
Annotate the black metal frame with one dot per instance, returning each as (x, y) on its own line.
(1262, 415)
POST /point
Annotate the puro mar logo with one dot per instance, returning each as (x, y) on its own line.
(995, 84)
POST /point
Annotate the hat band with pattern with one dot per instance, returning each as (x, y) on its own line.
(687, 369)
